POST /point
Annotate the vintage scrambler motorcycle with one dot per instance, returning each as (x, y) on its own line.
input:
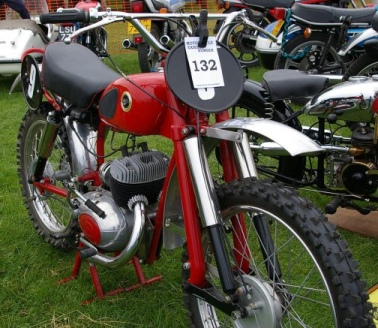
(255, 254)
(341, 118)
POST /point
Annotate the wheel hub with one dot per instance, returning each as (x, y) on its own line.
(261, 303)
(245, 42)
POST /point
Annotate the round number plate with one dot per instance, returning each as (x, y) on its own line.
(178, 77)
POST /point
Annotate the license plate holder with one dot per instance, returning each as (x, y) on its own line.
(65, 31)
(145, 22)
(277, 28)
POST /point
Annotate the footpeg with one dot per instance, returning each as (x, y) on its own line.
(86, 253)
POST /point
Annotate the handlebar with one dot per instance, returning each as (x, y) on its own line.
(102, 18)
(65, 16)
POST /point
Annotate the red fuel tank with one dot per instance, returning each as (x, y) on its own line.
(137, 104)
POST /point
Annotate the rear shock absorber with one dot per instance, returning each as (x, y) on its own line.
(268, 106)
(46, 144)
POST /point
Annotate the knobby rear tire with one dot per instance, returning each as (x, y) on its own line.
(50, 213)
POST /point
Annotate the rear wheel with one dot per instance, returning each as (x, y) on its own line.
(305, 53)
(291, 266)
(50, 213)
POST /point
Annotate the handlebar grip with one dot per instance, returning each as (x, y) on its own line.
(203, 17)
(65, 16)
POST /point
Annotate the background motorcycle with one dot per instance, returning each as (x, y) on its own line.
(38, 32)
(149, 59)
(238, 233)
(342, 120)
(367, 63)
(17, 35)
(242, 39)
(94, 39)
(316, 48)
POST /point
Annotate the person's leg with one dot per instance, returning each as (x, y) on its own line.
(18, 6)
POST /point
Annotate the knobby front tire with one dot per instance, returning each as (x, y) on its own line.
(319, 285)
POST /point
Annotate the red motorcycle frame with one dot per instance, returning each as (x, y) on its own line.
(232, 259)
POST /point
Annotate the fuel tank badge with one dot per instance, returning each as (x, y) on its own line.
(126, 101)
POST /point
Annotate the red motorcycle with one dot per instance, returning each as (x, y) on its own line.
(255, 254)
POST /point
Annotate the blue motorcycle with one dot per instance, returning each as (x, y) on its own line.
(317, 39)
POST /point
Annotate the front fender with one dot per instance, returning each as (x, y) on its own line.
(281, 139)
(285, 138)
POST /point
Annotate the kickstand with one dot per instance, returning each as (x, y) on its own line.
(142, 281)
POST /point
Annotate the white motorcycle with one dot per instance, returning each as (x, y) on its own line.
(18, 35)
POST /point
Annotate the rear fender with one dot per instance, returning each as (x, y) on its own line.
(358, 40)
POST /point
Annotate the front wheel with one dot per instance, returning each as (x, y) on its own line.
(290, 265)
(241, 40)
(366, 65)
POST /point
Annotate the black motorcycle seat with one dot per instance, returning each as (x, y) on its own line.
(319, 14)
(284, 84)
(75, 73)
(269, 4)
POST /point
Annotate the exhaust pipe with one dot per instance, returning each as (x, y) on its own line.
(128, 44)
(166, 41)
(131, 248)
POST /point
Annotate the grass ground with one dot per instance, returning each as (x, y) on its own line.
(30, 269)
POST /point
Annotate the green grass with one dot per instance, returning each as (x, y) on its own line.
(30, 269)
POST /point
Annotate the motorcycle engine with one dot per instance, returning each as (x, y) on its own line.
(141, 174)
(354, 172)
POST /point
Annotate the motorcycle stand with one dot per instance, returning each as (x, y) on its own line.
(142, 281)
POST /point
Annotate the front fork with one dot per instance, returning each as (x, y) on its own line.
(209, 209)
(210, 213)
(208, 204)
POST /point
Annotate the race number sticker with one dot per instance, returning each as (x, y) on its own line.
(31, 82)
(204, 63)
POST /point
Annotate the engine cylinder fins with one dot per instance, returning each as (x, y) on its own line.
(139, 174)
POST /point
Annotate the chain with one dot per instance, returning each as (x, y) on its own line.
(284, 54)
